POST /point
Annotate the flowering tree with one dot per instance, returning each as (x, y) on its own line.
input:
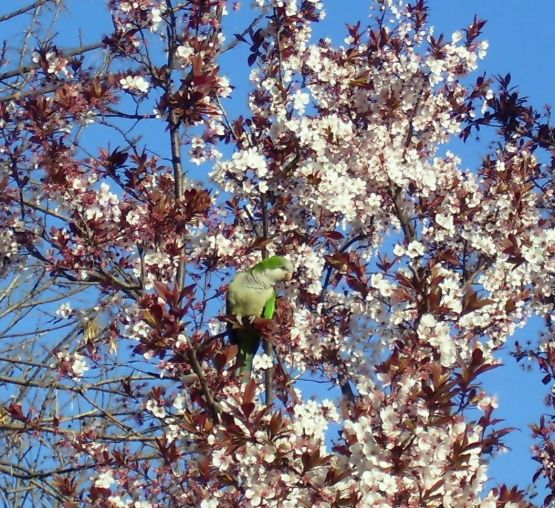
(120, 387)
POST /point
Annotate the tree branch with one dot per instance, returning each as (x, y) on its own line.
(23, 10)
(24, 69)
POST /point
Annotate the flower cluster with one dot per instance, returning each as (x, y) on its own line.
(137, 84)
(73, 365)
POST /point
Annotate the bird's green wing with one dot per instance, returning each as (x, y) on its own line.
(270, 307)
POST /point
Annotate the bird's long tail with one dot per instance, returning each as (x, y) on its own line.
(248, 341)
(244, 364)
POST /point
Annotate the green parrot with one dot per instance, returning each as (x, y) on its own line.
(252, 293)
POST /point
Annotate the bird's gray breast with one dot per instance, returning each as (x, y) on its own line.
(247, 297)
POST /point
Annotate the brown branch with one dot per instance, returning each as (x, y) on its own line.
(115, 438)
(25, 474)
(26, 382)
(24, 69)
(23, 10)
(109, 416)
(214, 407)
(173, 128)
(266, 344)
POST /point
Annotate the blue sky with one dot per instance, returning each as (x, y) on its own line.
(522, 40)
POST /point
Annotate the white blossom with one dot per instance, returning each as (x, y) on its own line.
(104, 480)
(64, 310)
(156, 409)
(415, 249)
(135, 84)
(300, 101)
(262, 362)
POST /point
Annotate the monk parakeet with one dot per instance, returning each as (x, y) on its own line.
(252, 294)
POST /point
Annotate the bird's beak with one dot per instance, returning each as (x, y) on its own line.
(288, 276)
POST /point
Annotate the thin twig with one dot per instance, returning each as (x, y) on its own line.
(23, 10)
(24, 69)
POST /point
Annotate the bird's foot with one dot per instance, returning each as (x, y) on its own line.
(250, 319)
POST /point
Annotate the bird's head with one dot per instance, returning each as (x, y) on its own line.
(275, 268)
